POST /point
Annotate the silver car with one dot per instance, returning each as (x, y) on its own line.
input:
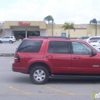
(9, 39)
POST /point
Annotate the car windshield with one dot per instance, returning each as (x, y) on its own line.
(94, 39)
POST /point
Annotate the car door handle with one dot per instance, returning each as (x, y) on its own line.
(49, 56)
(76, 58)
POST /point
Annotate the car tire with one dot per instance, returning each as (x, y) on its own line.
(10, 41)
(39, 75)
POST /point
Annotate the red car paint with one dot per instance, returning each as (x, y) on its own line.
(58, 63)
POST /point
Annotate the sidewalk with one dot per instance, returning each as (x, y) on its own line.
(7, 49)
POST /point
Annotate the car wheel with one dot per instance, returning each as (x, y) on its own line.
(10, 41)
(39, 75)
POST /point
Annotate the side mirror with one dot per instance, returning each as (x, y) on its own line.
(93, 53)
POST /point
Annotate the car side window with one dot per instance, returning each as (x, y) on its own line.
(60, 47)
(4, 38)
(51, 47)
(80, 48)
(30, 46)
(7, 37)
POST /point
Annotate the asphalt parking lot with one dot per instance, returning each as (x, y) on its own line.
(18, 86)
(9, 47)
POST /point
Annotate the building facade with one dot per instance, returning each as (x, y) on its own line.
(40, 28)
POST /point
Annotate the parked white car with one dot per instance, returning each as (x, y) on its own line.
(94, 41)
(9, 39)
(95, 44)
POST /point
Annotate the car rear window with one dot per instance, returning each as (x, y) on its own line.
(30, 46)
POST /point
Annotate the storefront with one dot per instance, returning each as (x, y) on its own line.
(22, 29)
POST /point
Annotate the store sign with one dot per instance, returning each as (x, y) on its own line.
(24, 23)
(63, 34)
(80, 27)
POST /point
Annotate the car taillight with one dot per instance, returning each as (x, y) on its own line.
(17, 58)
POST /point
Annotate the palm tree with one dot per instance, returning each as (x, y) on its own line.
(68, 26)
(94, 21)
(49, 18)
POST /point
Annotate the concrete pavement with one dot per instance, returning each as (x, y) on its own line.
(7, 49)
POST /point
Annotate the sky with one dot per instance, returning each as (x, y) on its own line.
(75, 11)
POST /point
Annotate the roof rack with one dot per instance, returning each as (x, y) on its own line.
(48, 37)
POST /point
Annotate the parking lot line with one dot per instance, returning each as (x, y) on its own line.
(92, 87)
(44, 94)
(58, 90)
(27, 93)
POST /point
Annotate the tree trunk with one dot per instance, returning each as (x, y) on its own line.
(69, 33)
(96, 29)
(52, 28)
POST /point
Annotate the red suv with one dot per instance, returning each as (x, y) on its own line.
(56, 57)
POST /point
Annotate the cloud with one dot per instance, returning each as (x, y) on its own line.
(78, 11)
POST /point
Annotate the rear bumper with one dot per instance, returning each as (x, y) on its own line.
(16, 67)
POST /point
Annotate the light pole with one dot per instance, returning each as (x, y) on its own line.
(26, 33)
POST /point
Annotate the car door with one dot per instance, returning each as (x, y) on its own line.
(59, 57)
(82, 60)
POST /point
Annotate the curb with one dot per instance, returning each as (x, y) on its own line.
(6, 54)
